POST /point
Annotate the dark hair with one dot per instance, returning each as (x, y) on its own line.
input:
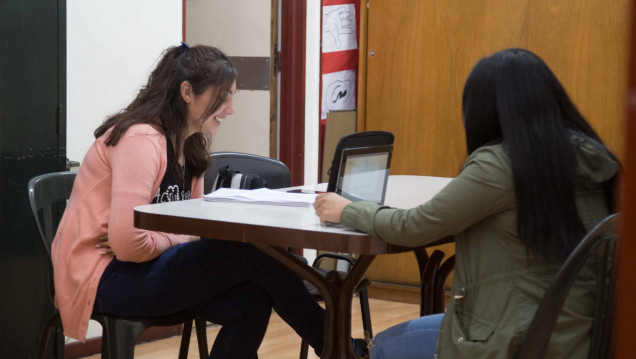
(159, 103)
(513, 97)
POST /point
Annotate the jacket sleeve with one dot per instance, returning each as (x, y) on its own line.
(484, 187)
(136, 164)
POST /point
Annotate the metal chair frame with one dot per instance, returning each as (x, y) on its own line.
(433, 275)
(48, 194)
(602, 237)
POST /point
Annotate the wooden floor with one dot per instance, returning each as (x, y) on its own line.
(281, 342)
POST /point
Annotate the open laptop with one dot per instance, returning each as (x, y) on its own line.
(364, 172)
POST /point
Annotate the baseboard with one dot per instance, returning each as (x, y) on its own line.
(394, 292)
(94, 345)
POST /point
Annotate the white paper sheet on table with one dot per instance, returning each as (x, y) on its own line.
(261, 196)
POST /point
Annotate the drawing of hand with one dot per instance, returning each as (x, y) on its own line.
(338, 21)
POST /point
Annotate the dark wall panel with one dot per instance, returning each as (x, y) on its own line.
(32, 127)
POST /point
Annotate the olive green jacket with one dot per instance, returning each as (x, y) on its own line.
(496, 285)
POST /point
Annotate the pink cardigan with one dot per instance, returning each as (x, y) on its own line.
(110, 183)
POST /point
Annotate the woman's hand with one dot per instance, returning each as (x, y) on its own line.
(103, 243)
(329, 207)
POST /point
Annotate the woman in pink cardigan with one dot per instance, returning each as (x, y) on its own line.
(156, 150)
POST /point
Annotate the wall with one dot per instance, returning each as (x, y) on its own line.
(112, 47)
(312, 88)
(238, 28)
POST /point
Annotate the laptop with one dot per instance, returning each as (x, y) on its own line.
(363, 173)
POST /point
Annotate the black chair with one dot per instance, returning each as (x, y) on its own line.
(600, 241)
(358, 139)
(274, 172)
(277, 175)
(433, 275)
(48, 194)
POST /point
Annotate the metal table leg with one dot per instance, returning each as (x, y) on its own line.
(337, 294)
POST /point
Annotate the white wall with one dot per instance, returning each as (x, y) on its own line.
(238, 28)
(111, 48)
(312, 88)
(312, 103)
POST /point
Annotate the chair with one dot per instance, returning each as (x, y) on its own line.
(274, 172)
(603, 237)
(358, 139)
(277, 175)
(48, 194)
(433, 275)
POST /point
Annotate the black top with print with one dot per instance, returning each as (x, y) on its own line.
(172, 189)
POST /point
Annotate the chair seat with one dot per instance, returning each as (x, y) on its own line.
(165, 321)
(120, 333)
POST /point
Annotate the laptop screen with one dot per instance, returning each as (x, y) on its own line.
(364, 173)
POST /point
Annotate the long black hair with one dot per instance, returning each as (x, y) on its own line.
(513, 97)
(160, 104)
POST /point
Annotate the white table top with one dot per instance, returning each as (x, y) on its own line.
(280, 225)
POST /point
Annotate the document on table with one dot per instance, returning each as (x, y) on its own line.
(261, 196)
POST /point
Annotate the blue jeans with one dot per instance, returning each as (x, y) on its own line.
(415, 339)
(229, 283)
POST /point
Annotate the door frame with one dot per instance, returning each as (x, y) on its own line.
(292, 88)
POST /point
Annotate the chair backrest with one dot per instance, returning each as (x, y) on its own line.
(48, 194)
(358, 139)
(273, 171)
(603, 237)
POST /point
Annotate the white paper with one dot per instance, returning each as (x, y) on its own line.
(338, 91)
(339, 28)
(261, 196)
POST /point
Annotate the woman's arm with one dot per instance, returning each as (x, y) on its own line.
(137, 165)
(483, 188)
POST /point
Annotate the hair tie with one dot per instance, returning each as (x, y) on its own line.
(183, 48)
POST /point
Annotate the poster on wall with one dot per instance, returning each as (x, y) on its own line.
(339, 58)
(339, 28)
(338, 91)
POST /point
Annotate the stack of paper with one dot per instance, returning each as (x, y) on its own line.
(261, 196)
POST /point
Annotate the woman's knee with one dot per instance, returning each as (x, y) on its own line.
(239, 305)
(261, 303)
(251, 303)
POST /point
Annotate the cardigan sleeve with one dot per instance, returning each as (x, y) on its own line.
(484, 187)
(197, 187)
(137, 165)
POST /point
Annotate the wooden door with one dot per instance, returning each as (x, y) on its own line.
(419, 54)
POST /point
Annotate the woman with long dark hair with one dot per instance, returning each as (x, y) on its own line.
(156, 150)
(536, 179)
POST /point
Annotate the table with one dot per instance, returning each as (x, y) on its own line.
(274, 228)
